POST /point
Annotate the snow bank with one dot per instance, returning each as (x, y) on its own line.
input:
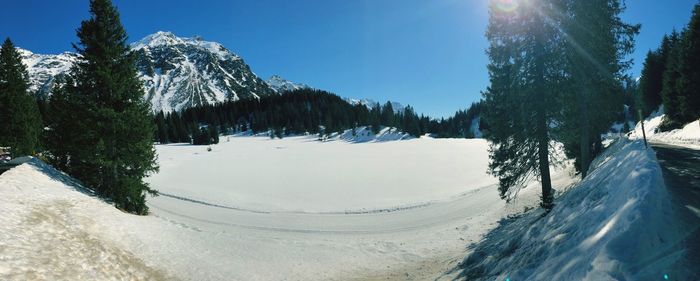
(53, 229)
(614, 225)
(688, 136)
(365, 134)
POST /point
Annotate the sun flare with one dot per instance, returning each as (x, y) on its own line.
(507, 6)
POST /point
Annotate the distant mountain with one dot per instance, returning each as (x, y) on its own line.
(43, 69)
(176, 72)
(281, 85)
(369, 103)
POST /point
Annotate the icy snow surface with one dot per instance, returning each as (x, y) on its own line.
(260, 209)
(616, 224)
(300, 174)
(688, 136)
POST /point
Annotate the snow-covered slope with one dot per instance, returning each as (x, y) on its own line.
(688, 136)
(176, 72)
(616, 224)
(281, 85)
(369, 103)
(184, 72)
(43, 69)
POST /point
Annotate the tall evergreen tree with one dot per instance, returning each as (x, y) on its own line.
(113, 150)
(688, 85)
(670, 91)
(524, 54)
(651, 82)
(20, 122)
(597, 43)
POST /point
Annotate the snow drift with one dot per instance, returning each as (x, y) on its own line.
(688, 136)
(614, 225)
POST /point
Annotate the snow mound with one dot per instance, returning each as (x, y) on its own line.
(53, 229)
(688, 136)
(614, 225)
(365, 134)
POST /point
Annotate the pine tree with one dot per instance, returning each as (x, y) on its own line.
(112, 150)
(669, 92)
(20, 122)
(524, 56)
(597, 43)
(63, 132)
(688, 86)
(651, 81)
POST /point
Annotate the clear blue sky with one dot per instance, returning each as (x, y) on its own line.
(429, 54)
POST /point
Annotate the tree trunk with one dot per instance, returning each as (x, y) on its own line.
(543, 155)
(585, 133)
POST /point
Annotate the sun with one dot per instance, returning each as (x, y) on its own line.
(506, 6)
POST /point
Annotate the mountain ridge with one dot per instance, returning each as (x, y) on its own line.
(177, 72)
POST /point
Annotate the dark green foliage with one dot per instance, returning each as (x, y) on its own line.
(688, 85)
(102, 132)
(304, 111)
(651, 82)
(520, 103)
(680, 87)
(596, 44)
(459, 125)
(669, 92)
(20, 121)
(206, 136)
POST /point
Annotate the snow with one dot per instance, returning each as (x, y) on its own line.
(166, 38)
(280, 84)
(369, 103)
(334, 176)
(411, 205)
(42, 68)
(474, 128)
(616, 224)
(365, 134)
(688, 136)
(185, 83)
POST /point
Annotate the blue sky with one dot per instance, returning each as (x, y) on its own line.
(429, 54)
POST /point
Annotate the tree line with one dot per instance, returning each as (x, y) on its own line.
(301, 111)
(556, 74)
(671, 76)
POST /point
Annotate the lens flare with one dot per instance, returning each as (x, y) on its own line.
(506, 6)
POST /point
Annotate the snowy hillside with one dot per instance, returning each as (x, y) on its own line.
(43, 69)
(176, 72)
(688, 136)
(616, 224)
(281, 85)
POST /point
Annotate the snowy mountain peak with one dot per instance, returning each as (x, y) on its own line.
(165, 39)
(369, 103)
(280, 84)
(176, 72)
(43, 69)
(157, 39)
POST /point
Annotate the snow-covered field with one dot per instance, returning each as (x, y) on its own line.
(260, 209)
(300, 174)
